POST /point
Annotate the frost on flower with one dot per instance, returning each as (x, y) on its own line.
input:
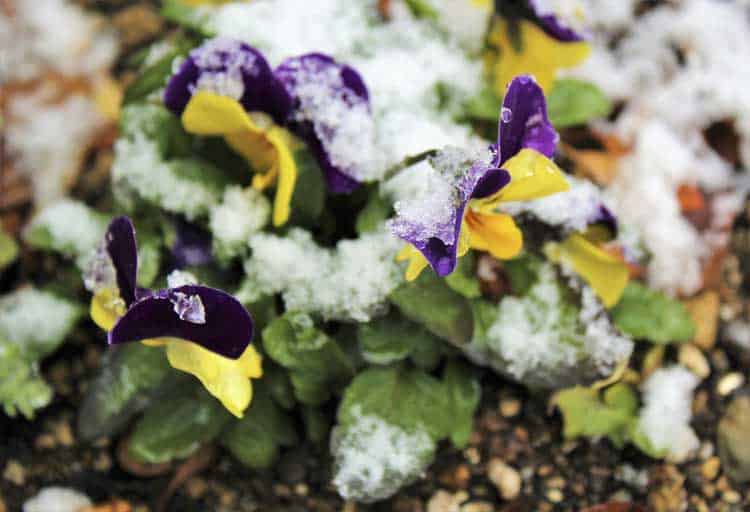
(350, 282)
(666, 412)
(69, 227)
(573, 210)
(241, 213)
(545, 339)
(373, 458)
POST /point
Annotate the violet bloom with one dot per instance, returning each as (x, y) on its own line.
(206, 332)
(459, 212)
(554, 24)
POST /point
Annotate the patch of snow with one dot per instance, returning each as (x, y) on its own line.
(57, 499)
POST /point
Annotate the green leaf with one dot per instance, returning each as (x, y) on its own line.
(175, 428)
(22, 389)
(309, 197)
(131, 375)
(392, 338)
(317, 424)
(523, 272)
(572, 102)
(428, 301)
(389, 423)
(422, 9)
(587, 414)
(153, 77)
(316, 362)
(276, 379)
(464, 393)
(375, 212)
(649, 314)
(8, 249)
(193, 18)
(464, 279)
(485, 106)
(149, 260)
(255, 439)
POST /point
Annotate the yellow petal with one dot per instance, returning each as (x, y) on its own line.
(226, 379)
(208, 113)
(540, 55)
(532, 175)
(106, 308)
(417, 262)
(286, 167)
(606, 274)
(495, 233)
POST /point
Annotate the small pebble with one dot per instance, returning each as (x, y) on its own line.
(710, 468)
(478, 506)
(731, 496)
(510, 407)
(444, 501)
(505, 478)
(14, 472)
(456, 477)
(196, 487)
(301, 489)
(64, 434)
(45, 442)
(693, 359)
(729, 382)
(555, 495)
(103, 462)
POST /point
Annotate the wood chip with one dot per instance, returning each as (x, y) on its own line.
(704, 310)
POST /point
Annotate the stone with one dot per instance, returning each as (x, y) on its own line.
(734, 440)
(478, 506)
(729, 383)
(510, 407)
(710, 469)
(693, 359)
(15, 473)
(506, 479)
(444, 501)
(456, 477)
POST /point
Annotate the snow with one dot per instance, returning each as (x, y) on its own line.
(679, 68)
(57, 499)
(74, 228)
(402, 63)
(572, 210)
(665, 415)
(225, 54)
(543, 336)
(20, 314)
(350, 282)
(374, 458)
(241, 213)
(53, 35)
(43, 142)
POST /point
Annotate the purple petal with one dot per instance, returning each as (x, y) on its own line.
(552, 24)
(226, 327)
(434, 228)
(231, 68)
(607, 218)
(492, 181)
(192, 246)
(331, 112)
(524, 122)
(123, 251)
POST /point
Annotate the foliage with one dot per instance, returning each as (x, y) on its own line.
(649, 314)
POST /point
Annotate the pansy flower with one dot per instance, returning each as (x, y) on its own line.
(533, 39)
(226, 88)
(206, 331)
(331, 112)
(459, 212)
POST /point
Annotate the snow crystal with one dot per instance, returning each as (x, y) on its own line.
(57, 499)
(54, 35)
(402, 63)
(226, 56)
(679, 68)
(46, 146)
(644, 195)
(544, 339)
(665, 415)
(572, 210)
(178, 278)
(241, 213)
(189, 308)
(465, 21)
(373, 458)
(73, 228)
(350, 282)
(21, 312)
(139, 167)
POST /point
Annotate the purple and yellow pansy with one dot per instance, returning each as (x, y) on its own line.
(206, 332)
(462, 215)
(540, 43)
(227, 88)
